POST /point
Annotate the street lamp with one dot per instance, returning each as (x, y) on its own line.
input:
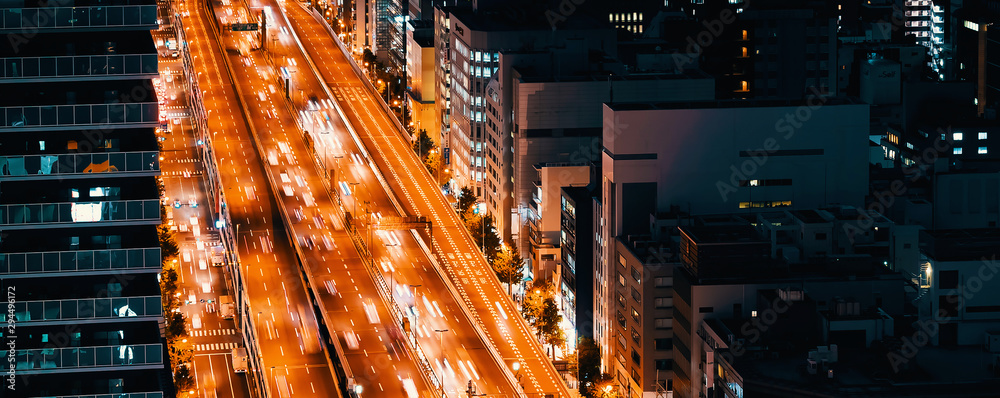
(517, 370)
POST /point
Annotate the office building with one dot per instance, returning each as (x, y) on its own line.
(79, 201)
(710, 157)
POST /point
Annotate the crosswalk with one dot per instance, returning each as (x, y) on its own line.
(188, 160)
(215, 347)
(213, 332)
(181, 173)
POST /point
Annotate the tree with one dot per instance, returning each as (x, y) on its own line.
(175, 325)
(484, 234)
(168, 242)
(182, 379)
(466, 199)
(548, 325)
(508, 266)
(423, 144)
(533, 301)
(588, 356)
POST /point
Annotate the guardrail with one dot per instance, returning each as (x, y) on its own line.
(77, 261)
(88, 308)
(32, 166)
(73, 212)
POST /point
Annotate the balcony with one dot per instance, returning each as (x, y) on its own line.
(123, 17)
(48, 312)
(86, 359)
(121, 212)
(82, 262)
(81, 165)
(81, 67)
(117, 395)
(66, 117)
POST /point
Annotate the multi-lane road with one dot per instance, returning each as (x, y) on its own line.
(346, 295)
(494, 314)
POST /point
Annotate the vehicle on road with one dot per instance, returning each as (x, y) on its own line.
(226, 307)
(196, 322)
(351, 339)
(284, 177)
(193, 203)
(240, 360)
(288, 191)
(177, 203)
(202, 265)
(174, 54)
(328, 243)
(298, 215)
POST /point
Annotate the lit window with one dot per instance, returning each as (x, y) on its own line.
(982, 135)
(41, 145)
(83, 212)
(753, 314)
(754, 183)
(956, 136)
(982, 150)
(74, 193)
(97, 192)
(956, 151)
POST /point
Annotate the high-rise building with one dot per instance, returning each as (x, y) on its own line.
(707, 157)
(79, 200)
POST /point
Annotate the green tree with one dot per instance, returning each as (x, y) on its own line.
(168, 288)
(484, 234)
(509, 266)
(168, 242)
(466, 199)
(426, 150)
(534, 301)
(588, 357)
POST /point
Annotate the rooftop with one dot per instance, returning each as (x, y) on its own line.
(728, 103)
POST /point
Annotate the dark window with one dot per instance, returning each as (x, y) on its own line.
(705, 310)
(621, 319)
(737, 310)
(621, 299)
(948, 305)
(636, 357)
(635, 374)
(948, 279)
(636, 275)
(662, 344)
(636, 296)
(663, 364)
(820, 236)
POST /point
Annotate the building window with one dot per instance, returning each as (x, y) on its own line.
(663, 364)
(705, 310)
(663, 344)
(820, 236)
(663, 323)
(636, 296)
(621, 340)
(956, 136)
(635, 316)
(982, 150)
(621, 260)
(982, 135)
(636, 337)
(947, 280)
(638, 361)
(621, 320)
(956, 151)
(663, 302)
(621, 299)
(621, 279)
(636, 275)
(663, 281)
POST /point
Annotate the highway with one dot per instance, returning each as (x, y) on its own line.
(463, 263)
(267, 260)
(379, 361)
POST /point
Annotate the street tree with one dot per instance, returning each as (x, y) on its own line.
(548, 325)
(423, 144)
(508, 266)
(168, 242)
(484, 234)
(466, 199)
(589, 362)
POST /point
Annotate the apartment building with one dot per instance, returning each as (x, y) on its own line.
(79, 203)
